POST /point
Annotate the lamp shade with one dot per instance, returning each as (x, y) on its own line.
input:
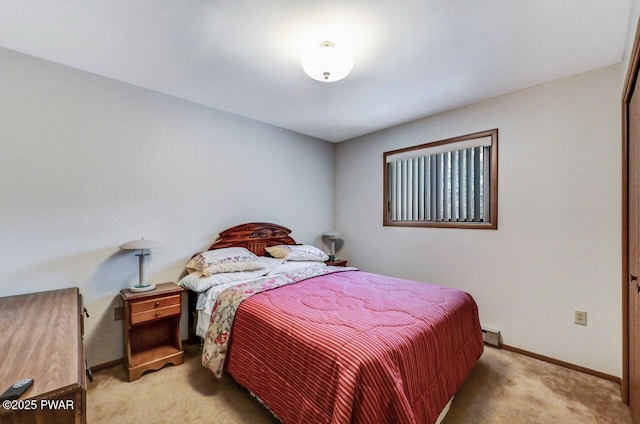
(332, 235)
(327, 62)
(140, 245)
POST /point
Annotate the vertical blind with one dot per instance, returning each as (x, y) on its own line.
(433, 185)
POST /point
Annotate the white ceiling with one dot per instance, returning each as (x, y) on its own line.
(413, 58)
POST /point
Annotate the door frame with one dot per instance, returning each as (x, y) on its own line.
(627, 91)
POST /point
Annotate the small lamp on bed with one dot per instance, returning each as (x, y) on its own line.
(332, 235)
(143, 246)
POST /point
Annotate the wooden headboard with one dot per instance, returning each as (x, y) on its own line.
(255, 236)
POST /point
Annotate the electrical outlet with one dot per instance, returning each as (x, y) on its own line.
(118, 313)
(580, 317)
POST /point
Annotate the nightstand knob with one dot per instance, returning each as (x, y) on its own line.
(157, 304)
(157, 314)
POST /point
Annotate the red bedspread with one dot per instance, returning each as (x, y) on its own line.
(355, 347)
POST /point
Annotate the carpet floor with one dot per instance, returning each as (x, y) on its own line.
(504, 387)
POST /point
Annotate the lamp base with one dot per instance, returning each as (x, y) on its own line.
(142, 288)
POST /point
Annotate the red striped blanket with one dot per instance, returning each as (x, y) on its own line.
(355, 347)
(216, 341)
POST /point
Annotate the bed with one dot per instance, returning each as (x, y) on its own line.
(337, 345)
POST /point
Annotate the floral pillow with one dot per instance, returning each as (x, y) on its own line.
(198, 282)
(228, 259)
(297, 252)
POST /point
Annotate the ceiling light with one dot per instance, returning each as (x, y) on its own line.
(327, 62)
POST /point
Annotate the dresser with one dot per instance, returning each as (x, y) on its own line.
(41, 338)
(152, 329)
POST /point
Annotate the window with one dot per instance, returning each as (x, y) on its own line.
(449, 183)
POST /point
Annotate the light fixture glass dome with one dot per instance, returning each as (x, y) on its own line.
(327, 63)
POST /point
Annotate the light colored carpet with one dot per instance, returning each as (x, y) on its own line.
(504, 387)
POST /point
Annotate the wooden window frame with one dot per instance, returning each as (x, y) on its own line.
(491, 224)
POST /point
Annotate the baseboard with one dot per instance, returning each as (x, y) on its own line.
(104, 366)
(563, 363)
(100, 367)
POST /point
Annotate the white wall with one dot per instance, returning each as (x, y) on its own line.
(558, 244)
(631, 32)
(88, 163)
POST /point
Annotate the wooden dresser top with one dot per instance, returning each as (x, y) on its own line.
(40, 339)
(160, 290)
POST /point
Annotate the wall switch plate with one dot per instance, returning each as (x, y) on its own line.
(580, 317)
(118, 313)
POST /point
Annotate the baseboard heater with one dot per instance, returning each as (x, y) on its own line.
(491, 336)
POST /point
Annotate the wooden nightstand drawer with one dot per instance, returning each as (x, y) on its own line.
(160, 302)
(155, 314)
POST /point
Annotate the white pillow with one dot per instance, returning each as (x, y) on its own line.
(270, 263)
(297, 252)
(228, 259)
(291, 266)
(198, 282)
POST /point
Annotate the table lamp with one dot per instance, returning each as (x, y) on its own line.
(332, 235)
(142, 245)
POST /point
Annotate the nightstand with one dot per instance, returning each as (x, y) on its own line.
(152, 329)
(338, 262)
